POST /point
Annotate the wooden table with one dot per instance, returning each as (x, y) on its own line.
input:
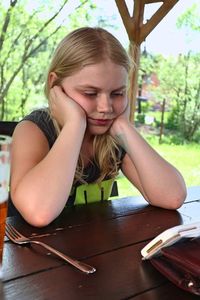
(107, 235)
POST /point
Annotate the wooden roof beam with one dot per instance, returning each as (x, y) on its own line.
(156, 18)
(137, 32)
(126, 18)
(137, 21)
(152, 1)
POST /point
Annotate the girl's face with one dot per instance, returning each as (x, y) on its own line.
(100, 89)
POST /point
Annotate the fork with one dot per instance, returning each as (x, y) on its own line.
(20, 239)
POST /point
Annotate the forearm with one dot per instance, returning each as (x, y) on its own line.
(162, 184)
(42, 192)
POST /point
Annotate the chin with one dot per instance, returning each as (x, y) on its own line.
(98, 130)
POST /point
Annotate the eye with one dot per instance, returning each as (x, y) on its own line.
(118, 94)
(90, 93)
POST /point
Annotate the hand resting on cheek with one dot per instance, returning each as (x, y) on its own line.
(122, 118)
(63, 108)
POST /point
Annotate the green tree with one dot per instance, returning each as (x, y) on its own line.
(188, 94)
(190, 19)
(28, 37)
(180, 84)
(179, 81)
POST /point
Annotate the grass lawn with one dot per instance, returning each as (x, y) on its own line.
(186, 158)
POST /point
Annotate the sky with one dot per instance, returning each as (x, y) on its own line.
(165, 37)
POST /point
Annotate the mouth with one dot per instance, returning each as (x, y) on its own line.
(100, 122)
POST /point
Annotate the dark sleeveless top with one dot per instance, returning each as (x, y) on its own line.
(91, 173)
(43, 120)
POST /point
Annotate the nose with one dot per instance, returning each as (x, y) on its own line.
(104, 104)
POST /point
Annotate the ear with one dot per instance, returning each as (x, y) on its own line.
(52, 78)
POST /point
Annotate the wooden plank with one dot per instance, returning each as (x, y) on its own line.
(82, 214)
(74, 221)
(23, 260)
(109, 241)
(95, 212)
(87, 240)
(102, 227)
(120, 274)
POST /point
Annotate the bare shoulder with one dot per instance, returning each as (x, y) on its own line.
(29, 134)
(29, 143)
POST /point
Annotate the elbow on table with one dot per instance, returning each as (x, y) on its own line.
(171, 201)
(40, 217)
(34, 215)
(39, 220)
(176, 201)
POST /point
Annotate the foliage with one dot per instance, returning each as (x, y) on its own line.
(179, 82)
(183, 90)
(190, 18)
(140, 118)
(29, 33)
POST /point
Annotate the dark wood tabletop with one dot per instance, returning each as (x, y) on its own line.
(107, 235)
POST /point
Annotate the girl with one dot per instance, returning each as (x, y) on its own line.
(73, 150)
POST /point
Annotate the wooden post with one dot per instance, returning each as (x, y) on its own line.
(137, 31)
(134, 52)
(162, 121)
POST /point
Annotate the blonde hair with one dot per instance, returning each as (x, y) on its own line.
(82, 47)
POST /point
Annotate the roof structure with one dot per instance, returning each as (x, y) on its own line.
(137, 31)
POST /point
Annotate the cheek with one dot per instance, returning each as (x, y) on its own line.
(120, 106)
(86, 105)
(78, 98)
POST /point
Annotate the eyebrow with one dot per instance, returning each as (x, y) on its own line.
(87, 86)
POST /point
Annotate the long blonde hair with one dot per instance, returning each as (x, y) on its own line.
(82, 47)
